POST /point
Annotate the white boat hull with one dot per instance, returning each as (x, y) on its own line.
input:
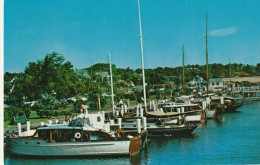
(42, 148)
(193, 118)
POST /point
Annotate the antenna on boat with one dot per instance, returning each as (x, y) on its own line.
(141, 42)
(207, 59)
(111, 79)
(183, 88)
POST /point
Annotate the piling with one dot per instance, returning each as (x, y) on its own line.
(154, 108)
(179, 111)
(221, 100)
(112, 122)
(28, 125)
(122, 112)
(138, 125)
(144, 123)
(119, 122)
(137, 112)
(19, 127)
(125, 108)
(142, 112)
(182, 109)
(204, 105)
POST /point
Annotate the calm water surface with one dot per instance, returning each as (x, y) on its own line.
(232, 139)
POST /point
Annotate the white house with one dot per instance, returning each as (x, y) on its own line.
(216, 83)
(196, 81)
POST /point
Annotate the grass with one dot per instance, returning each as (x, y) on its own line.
(34, 118)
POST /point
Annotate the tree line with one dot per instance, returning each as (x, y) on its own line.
(55, 75)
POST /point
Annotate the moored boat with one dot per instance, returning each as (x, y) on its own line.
(73, 140)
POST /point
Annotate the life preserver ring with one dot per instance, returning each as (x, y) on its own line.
(77, 135)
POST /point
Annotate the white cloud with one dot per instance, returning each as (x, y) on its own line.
(223, 32)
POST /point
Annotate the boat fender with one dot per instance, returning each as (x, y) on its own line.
(77, 135)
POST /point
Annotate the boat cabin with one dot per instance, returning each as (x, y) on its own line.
(70, 134)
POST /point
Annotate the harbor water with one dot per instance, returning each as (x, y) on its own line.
(232, 139)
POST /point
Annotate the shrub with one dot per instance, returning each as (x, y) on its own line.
(130, 96)
(66, 112)
(37, 106)
(45, 113)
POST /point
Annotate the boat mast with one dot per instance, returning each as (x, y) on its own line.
(229, 72)
(183, 88)
(207, 59)
(99, 91)
(111, 79)
(141, 42)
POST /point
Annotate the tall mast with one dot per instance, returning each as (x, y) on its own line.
(141, 41)
(183, 88)
(229, 71)
(111, 79)
(207, 59)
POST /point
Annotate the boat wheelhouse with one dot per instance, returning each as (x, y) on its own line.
(73, 140)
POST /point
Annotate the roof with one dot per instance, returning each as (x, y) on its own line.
(103, 74)
(177, 105)
(58, 127)
(162, 114)
(82, 72)
(215, 79)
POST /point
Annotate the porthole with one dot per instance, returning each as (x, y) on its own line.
(26, 142)
(38, 143)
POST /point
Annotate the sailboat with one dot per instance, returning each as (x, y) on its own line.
(158, 123)
(211, 113)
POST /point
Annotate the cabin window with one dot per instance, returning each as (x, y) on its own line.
(134, 125)
(26, 142)
(98, 119)
(217, 83)
(95, 136)
(38, 143)
(43, 134)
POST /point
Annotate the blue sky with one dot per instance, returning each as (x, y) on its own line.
(84, 31)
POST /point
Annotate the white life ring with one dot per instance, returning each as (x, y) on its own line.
(77, 135)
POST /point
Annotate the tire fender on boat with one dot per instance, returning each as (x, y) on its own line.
(77, 135)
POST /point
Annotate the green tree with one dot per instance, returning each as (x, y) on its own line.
(50, 75)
